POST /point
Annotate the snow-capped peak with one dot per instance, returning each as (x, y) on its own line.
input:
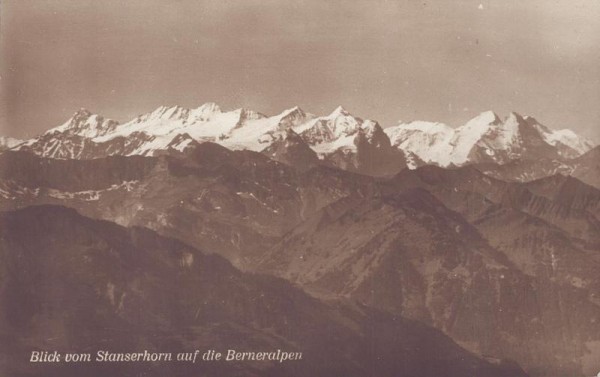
(209, 107)
(485, 138)
(482, 122)
(172, 112)
(423, 126)
(84, 123)
(338, 111)
(291, 118)
(429, 141)
(465, 137)
(375, 134)
(516, 117)
(296, 110)
(488, 117)
(247, 115)
(570, 144)
(204, 112)
(326, 129)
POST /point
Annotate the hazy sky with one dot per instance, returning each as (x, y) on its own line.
(436, 60)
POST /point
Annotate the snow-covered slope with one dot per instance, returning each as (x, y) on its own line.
(85, 124)
(8, 142)
(168, 127)
(428, 141)
(329, 128)
(87, 135)
(486, 138)
(335, 138)
(258, 134)
(568, 142)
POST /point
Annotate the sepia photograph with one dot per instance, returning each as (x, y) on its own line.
(299, 188)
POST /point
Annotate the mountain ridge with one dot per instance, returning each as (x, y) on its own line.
(241, 204)
(487, 138)
(333, 137)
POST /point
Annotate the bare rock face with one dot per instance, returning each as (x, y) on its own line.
(375, 153)
(289, 148)
(587, 167)
(371, 153)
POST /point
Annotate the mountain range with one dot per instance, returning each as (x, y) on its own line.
(497, 266)
(395, 245)
(487, 138)
(339, 139)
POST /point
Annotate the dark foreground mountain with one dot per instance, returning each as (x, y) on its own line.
(73, 284)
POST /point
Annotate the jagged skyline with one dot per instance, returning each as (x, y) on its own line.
(401, 61)
(304, 138)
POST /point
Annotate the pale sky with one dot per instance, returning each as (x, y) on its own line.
(436, 60)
